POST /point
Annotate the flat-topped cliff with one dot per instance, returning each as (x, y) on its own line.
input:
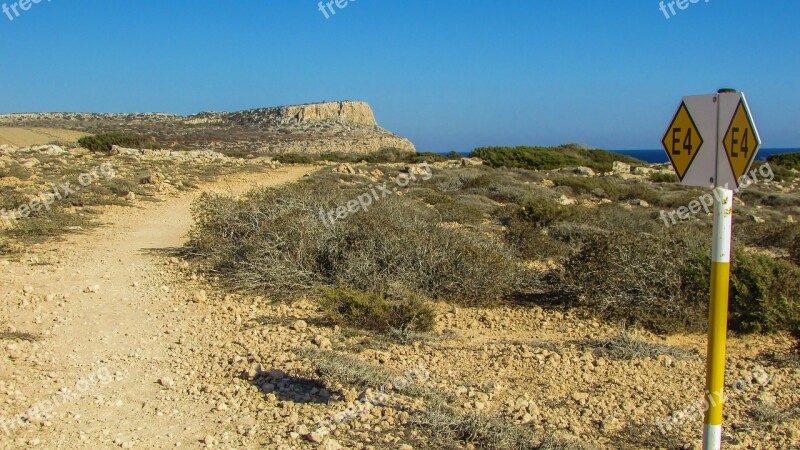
(345, 126)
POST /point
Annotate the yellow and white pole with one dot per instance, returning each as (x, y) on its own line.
(718, 317)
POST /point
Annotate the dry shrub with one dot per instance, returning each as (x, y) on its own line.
(450, 429)
(645, 279)
(267, 241)
(273, 240)
(339, 368)
(400, 242)
(630, 344)
(534, 243)
(378, 312)
(765, 294)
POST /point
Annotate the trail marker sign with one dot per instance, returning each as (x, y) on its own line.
(682, 141)
(712, 140)
(741, 141)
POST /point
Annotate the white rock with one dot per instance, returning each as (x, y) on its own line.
(200, 296)
(92, 289)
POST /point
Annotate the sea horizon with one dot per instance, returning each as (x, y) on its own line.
(659, 156)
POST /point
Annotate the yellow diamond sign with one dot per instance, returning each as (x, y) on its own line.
(682, 141)
(741, 141)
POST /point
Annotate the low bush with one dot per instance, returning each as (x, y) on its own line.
(272, 240)
(765, 294)
(534, 243)
(662, 283)
(294, 158)
(44, 224)
(532, 158)
(400, 242)
(786, 160)
(429, 157)
(102, 143)
(382, 156)
(543, 211)
(378, 312)
(769, 235)
(661, 177)
(550, 158)
(631, 344)
(339, 368)
(610, 188)
(643, 279)
(466, 209)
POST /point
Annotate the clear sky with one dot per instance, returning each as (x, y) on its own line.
(448, 74)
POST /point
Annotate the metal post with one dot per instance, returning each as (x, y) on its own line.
(718, 318)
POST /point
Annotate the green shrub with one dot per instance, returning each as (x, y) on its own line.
(550, 158)
(429, 157)
(525, 158)
(662, 282)
(16, 170)
(388, 155)
(44, 224)
(786, 160)
(543, 211)
(769, 235)
(500, 187)
(294, 158)
(339, 157)
(765, 294)
(661, 177)
(653, 281)
(102, 143)
(534, 243)
(378, 312)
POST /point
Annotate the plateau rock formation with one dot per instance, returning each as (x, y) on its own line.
(347, 127)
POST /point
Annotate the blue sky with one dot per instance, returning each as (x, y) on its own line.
(448, 74)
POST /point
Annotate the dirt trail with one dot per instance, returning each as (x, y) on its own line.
(96, 315)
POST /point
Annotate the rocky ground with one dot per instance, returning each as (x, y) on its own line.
(134, 349)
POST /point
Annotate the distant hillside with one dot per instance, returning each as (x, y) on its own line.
(550, 158)
(345, 127)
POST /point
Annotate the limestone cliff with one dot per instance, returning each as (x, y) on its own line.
(347, 126)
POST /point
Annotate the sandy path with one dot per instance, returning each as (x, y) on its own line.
(108, 347)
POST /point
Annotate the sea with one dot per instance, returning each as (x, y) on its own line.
(660, 156)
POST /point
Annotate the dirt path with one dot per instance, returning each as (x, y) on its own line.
(87, 326)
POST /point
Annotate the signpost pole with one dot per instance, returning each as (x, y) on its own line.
(725, 117)
(718, 318)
